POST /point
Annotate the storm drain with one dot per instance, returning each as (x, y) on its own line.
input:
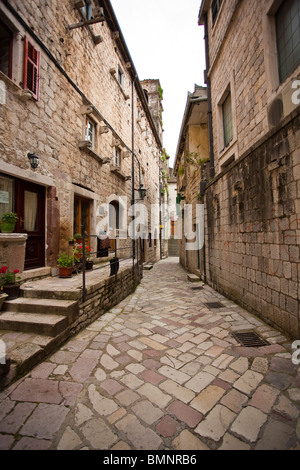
(250, 339)
(213, 305)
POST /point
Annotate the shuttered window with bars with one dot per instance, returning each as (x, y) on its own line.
(31, 73)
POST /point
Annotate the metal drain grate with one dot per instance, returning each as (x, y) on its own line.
(213, 305)
(250, 339)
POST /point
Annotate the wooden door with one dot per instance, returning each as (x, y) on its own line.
(30, 207)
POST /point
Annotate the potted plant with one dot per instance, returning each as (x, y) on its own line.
(65, 265)
(8, 222)
(9, 282)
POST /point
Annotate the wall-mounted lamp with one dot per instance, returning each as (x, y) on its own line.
(34, 160)
(142, 191)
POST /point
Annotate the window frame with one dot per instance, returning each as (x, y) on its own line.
(34, 63)
(218, 5)
(283, 76)
(92, 133)
(10, 58)
(227, 102)
(121, 76)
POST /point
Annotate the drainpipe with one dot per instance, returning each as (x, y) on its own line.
(209, 105)
(132, 169)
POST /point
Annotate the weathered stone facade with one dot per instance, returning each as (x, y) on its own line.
(252, 204)
(191, 168)
(83, 126)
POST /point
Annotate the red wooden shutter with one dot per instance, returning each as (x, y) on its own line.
(31, 75)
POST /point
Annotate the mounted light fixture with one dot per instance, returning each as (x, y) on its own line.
(33, 159)
(142, 191)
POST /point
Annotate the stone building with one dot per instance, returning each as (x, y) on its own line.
(191, 169)
(70, 95)
(252, 204)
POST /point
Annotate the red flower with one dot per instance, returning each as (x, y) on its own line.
(16, 271)
(4, 269)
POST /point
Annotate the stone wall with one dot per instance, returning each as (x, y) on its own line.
(105, 295)
(253, 228)
(75, 73)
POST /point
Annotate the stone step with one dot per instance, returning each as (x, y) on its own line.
(41, 292)
(67, 308)
(43, 324)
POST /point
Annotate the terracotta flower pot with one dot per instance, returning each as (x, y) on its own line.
(65, 272)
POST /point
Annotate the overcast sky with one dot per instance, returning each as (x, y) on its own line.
(165, 43)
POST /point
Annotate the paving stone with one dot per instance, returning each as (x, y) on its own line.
(276, 436)
(16, 418)
(248, 423)
(99, 434)
(83, 368)
(42, 371)
(285, 408)
(200, 381)
(280, 381)
(152, 344)
(131, 381)
(155, 395)
(127, 397)
(173, 374)
(69, 441)
(147, 412)
(141, 438)
(188, 441)
(108, 362)
(82, 414)
(167, 427)
(37, 391)
(234, 400)
(111, 386)
(29, 443)
(207, 399)
(232, 443)
(45, 421)
(216, 423)
(248, 382)
(152, 376)
(260, 364)
(178, 391)
(104, 406)
(264, 398)
(185, 413)
(240, 365)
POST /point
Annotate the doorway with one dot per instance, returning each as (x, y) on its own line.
(30, 207)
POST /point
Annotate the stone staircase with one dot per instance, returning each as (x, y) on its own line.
(48, 317)
(173, 247)
(43, 318)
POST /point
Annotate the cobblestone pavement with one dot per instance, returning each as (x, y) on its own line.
(160, 371)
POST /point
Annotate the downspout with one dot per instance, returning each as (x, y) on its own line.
(132, 172)
(209, 104)
(210, 126)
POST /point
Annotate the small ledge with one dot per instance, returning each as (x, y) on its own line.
(86, 146)
(117, 171)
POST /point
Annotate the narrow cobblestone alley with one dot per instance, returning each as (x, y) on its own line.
(161, 371)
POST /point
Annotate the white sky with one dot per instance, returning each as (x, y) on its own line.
(165, 43)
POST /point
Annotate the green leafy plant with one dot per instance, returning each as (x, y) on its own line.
(10, 217)
(65, 261)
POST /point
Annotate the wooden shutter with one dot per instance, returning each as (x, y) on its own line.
(31, 75)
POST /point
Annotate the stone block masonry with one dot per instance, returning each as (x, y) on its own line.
(252, 228)
(105, 295)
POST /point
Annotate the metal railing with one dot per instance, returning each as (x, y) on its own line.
(135, 250)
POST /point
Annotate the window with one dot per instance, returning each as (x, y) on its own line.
(117, 157)
(90, 132)
(7, 195)
(31, 72)
(87, 10)
(120, 76)
(215, 7)
(227, 120)
(6, 41)
(288, 37)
